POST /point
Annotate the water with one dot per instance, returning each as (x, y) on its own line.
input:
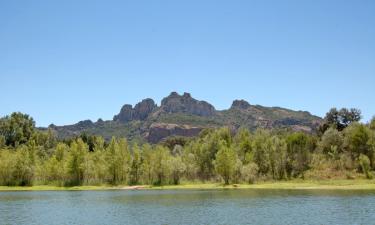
(188, 207)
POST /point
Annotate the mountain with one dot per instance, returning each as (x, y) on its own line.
(182, 115)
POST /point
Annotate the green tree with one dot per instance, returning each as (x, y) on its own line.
(7, 167)
(243, 144)
(76, 162)
(358, 139)
(364, 162)
(146, 166)
(298, 158)
(17, 128)
(261, 146)
(24, 167)
(2, 141)
(249, 172)
(372, 123)
(331, 140)
(177, 167)
(160, 165)
(340, 119)
(54, 171)
(135, 169)
(225, 162)
(278, 157)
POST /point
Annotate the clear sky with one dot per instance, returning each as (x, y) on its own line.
(65, 61)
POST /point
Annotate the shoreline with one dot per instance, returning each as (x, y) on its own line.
(275, 185)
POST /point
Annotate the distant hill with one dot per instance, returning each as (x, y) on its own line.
(182, 115)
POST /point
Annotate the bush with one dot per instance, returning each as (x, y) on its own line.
(364, 161)
(249, 172)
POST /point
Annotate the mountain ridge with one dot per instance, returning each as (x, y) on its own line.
(183, 115)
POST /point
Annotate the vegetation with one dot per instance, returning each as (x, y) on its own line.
(345, 150)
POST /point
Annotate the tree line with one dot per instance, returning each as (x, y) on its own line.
(342, 148)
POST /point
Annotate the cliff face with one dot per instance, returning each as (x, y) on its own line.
(182, 115)
(160, 131)
(140, 112)
(176, 103)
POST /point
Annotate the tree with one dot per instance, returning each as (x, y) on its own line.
(17, 128)
(331, 139)
(364, 162)
(260, 147)
(359, 139)
(249, 172)
(2, 141)
(160, 166)
(278, 157)
(177, 167)
(23, 167)
(298, 157)
(243, 144)
(118, 158)
(225, 162)
(76, 162)
(205, 150)
(54, 171)
(146, 166)
(135, 168)
(372, 123)
(340, 119)
(7, 167)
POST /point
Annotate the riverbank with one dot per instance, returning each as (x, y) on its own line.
(293, 185)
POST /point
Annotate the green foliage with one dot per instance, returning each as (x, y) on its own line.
(364, 161)
(17, 128)
(359, 139)
(249, 172)
(217, 153)
(160, 165)
(225, 162)
(118, 158)
(372, 123)
(300, 146)
(332, 140)
(340, 119)
(76, 162)
(135, 169)
(177, 167)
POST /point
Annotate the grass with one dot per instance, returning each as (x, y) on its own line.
(359, 184)
(294, 184)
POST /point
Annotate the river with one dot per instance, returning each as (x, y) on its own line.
(188, 207)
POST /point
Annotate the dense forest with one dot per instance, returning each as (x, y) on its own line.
(343, 148)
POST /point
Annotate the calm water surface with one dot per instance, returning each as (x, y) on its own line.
(188, 207)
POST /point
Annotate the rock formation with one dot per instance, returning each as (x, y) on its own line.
(240, 104)
(176, 103)
(160, 131)
(140, 112)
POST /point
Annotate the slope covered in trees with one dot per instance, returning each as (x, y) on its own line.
(344, 148)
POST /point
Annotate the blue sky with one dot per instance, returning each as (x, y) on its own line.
(65, 61)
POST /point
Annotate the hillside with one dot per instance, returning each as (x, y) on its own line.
(182, 115)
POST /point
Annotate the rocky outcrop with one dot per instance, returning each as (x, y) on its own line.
(125, 115)
(160, 131)
(140, 111)
(240, 104)
(143, 109)
(176, 103)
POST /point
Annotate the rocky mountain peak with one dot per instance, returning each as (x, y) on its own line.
(176, 103)
(240, 104)
(140, 111)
